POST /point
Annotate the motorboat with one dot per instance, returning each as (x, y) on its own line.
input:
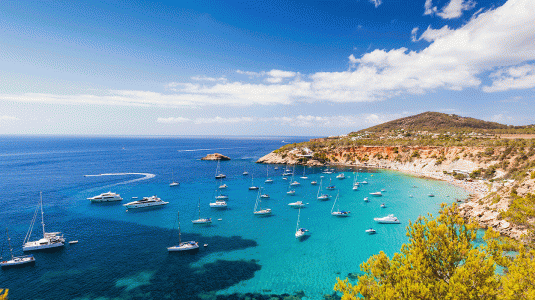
(219, 204)
(314, 182)
(383, 205)
(49, 239)
(376, 194)
(146, 202)
(371, 231)
(265, 196)
(245, 173)
(366, 199)
(106, 197)
(223, 186)
(295, 183)
(324, 197)
(355, 187)
(390, 219)
(431, 195)
(383, 190)
(296, 204)
(269, 180)
(183, 246)
(341, 176)
(291, 192)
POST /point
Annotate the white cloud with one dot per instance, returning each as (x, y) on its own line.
(414, 31)
(522, 77)
(8, 118)
(281, 74)
(172, 120)
(250, 73)
(431, 34)
(453, 10)
(220, 120)
(376, 2)
(205, 78)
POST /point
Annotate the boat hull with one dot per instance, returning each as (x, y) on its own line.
(145, 205)
(182, 248)
(34, 246)
(18, 261)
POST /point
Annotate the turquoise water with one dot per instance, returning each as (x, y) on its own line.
(123, 254)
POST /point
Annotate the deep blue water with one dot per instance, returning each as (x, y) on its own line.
(122, 255)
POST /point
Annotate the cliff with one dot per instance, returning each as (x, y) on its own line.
(215, 156)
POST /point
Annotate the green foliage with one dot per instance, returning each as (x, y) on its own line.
(520, 209)
(532, 175)
(475, 174)
(441, 262)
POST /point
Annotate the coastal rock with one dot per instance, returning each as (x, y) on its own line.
(215, 156)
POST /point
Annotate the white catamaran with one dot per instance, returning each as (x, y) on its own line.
(49, 240)
(183, 246)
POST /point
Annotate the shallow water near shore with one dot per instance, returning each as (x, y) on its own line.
(122, 255)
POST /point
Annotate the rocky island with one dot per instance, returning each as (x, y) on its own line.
(495, 163)
(215, 156)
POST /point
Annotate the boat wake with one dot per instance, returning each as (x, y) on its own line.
(146, 176)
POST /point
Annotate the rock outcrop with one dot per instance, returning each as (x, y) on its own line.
(215, 156)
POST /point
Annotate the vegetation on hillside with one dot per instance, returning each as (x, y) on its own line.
(440, 261)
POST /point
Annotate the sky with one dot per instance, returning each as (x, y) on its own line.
(260, 67)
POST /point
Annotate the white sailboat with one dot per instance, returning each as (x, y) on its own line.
(15, 260)
(268, 180)
(218, 174)
(182, 246)
(49, 240)
(355, 182)
(173, 182)
(201, 220)
(331, 186)
(320, 195)
(220, 196)
(299, 232)
(297, 204)
(339, 213)
(304, 175)
(252, 187)
(258, 207)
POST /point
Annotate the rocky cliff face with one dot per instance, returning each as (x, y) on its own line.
(215, 156)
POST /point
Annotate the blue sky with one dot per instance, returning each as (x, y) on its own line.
(260, 67)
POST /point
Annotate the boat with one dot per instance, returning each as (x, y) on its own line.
(339, 213)
(253, 187)
(371, 231)
(296, 204)
(304, 175)
(383, 190)
(320, 195)
(268, 180)
(364, 182)
(49, 240)
(73, 242)
(295, 183)
(173, 182)
(15, 260)
(106, 197)
(265, 196)
(276, 168)
(299, 232)
(201, 220)
(287, 172)
(355, 187)
(291, 192)
(223, 186)
(410, 196)
(366, 199)
(330, 187)
(258, 207)
(383, 205)
(314, 182)
(218, 174)
(221, 196)
(182, 246)
(341, 176)
(327, 171)
(219, 204)
(431, 195)
(355, 182)
(151, 201)
(245, 173)
(390, 219)
(376, 194)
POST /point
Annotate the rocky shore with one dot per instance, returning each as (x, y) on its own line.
(215, 156)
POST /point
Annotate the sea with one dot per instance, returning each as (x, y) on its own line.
(123, 254)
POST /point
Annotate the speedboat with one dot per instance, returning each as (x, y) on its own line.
(266, 211)
(300, 233)
(341, 176)
(184, 246)
(269, 180)
(297, 204)
(376, 194)
(366, 199)
(223, 186)
(314, 182)
(146, 202)
(202, 221)
(371, 231)
(219, 204)
(252, 188)
(355, 187)
(291, 192)
(431, 195)
(390, 219)
(342, 213)
(245, 173)
(220, 176)
(106, 197)
(323, 197)
(295, 183)
(383, 205)
(265, 196)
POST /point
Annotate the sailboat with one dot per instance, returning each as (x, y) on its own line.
(258, 207)
(218, 174)
(173, 182)
(220, 196)
(253, 187)
(49, 240)
(355, 182)
(330, 187)
(290, 192)
(182, 246)
(268, 180)
(299, 232)
(304, 175)
(15, 260)
(321, 196)
(339, 213)
(201, 220)
(294, 182)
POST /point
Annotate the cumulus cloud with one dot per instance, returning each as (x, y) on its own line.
(431, 34)
(220, 120)
(454, 9)
(376, 2)
(205, 78)
(172, 120)
(522, 77)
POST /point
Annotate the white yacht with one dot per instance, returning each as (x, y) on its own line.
(49, 240)
(253, 187)
(314, 182)
(201, 220)
(304, 175)
(245, 173)
(15, 260)
(383, 190)
(219, 204)
(218, 174)
(339, 213)
(265, 196)
(295, 183)
(258, 207)
(320, 195)
(296, 204)
(183, 246)
(299, 232)
(364, 182)
(106, 197)
(366, 199)
(371, 231)
(223, 186)
(291, 192)
(173, 182)
(376, 194)
(330, 186)
(390, 219)
(146, 202)
(341, 176)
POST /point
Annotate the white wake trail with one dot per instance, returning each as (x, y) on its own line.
(146, 176)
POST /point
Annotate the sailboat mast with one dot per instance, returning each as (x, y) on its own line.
(9, 243)
(199, 207)
(298, 216)
(179, 233)
(42, 214)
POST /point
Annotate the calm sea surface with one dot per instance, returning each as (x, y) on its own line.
(123, 255)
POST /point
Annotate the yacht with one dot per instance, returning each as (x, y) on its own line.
(245, 173)
(390, 219)
(383, 190)
(201, 220)
(265, 196)
(183, 246)
(320, 195)
(355, 187)
(299, 231)
(341, 176)
(364, 182)
(431, 195)
(258, 207)
(376, 194)
(219, 204)
(291, 192)
(295, 183)
(314, 182)
(330, 187)
(146, 202)
(15, 260)
(49, 240)
(297, 204)
(269, 180)
(173, 182)
(106, 197)
(339, 213)
(218, 174)
(371, 231)
(223, 186)
(383, 205)
(366, 199)
(253, 187)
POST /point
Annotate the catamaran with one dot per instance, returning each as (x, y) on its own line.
(258, 207)
(15, 260)
(106, 197)
(339, 213)
(320, 195)
(201, 220)
(182, 246)
(49, 240)
(299, 232)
